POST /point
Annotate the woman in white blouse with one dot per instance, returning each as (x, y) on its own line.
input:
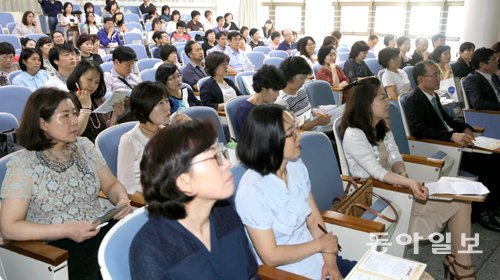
(371, 151)
(394, 80)
(172, 24)
(67, 19)
(28, 25)
(149, 104)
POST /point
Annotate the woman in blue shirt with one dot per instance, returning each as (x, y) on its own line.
(33, 75)
(193, 232)
(275, 203)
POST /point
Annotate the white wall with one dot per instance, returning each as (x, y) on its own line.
(481, 22)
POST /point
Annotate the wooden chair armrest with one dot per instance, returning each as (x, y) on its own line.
(337, 89)
(221, 113)
(385, 186)
(478, 129)
(267, 272)
(439, 142)
(482, 111)
(136, 200)
(38, 250)
(439, 163)
(353, 222)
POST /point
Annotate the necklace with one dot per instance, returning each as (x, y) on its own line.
(152, 132)
(62, 156)
(96, 117)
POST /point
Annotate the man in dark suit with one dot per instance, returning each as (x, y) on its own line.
(482, 86)
(427, 119)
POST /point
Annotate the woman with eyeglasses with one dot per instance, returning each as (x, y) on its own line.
(179, 97)
(371, 151)
(186, 187)
(275, 203)
(50, 191)
(149, 105)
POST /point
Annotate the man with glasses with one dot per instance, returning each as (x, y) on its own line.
(482, 86)
(7, 53)
(427, 119)
(121, 77)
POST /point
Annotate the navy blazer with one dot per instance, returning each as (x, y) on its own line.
(211, 94)
(480, 93)
(424, 122)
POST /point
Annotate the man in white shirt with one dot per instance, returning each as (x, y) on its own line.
(238, 60)
(221, 38)
(63, 59)
(121, 77)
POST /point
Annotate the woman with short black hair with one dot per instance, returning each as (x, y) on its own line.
(403, 44)
(441, 55)
(33, 76)
(355, 67)
(330, 72)
(208, 41)
(394, 80)
(178, 97)
(186, 187)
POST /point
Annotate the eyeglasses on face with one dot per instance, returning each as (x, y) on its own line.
(219, 157)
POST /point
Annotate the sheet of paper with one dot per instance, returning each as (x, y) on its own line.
(248, 82)
(449, 87)
(451, 185)
(487, 142)
(107, 106)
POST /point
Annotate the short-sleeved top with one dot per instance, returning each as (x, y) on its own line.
(58, 193)
(267, 203)
(326, 75)
(164, 249)
(130, 152)
(32, 82)
(299, 103)
(364, 159)
(399, 79)
(242, 114)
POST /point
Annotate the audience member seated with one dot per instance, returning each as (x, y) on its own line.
(403, 44)
(68, 19)
(172, 24)
(220, 25)
(217, 90)
(97, 47)
(28, 25)
(267, 82)
(43, 45)
(27, 43)
(88, 8)
(208, 41)
(86, 44)
(372, 42)
(33, 75)
(149, 105)
(496, 48)
(194, 24)
(306, 47)
(119, 22)
(243, 46)
(462, 67)
(63, 59)
(87, 90)
(482, 87)
(180, 35)
(437, 40)
(371, 151)
(275, 203)
(266, 31)
(7, 54)
(165, 13)
(330, 41)
(228, 22)
(238, 60)
(221, 38)
(275, 40)
(151, 14)
(390, 40)
(185, 188)
(293, 97)
(50, 191)
(209, 22)
(394, 80)
(121, 76)
(427, 119)
(329, 71)
(441, 55)
(195, 69)
(51, 9)
(111, 9)
(145, 6)
(254, 38)
(338, 35)
(160, 39)
(420, 52)
(168, 55)
(355, 67)
(156, 26)
(179, 98)
(108, 36)
(288, 44)
(91, 25)
(245, 32)
(58, 38)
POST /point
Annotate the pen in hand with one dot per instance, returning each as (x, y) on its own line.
(324, 230)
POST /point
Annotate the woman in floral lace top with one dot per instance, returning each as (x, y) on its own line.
(50, 190)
